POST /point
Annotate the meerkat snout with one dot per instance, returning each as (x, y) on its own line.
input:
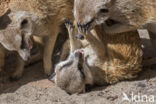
(26, 42)
(79, 54)
(79, 36)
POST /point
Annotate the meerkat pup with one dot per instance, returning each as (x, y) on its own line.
(106, 59)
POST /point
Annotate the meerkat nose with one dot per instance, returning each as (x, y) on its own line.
(78, 54)
(79, 36)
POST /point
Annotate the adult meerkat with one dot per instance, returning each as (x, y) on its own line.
(123, 15)
(14, 39)
(43, 18)
(106, 59)
(126, 15)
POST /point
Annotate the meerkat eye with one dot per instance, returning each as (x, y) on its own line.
(24, 23)
(89, 23)
(104, 10)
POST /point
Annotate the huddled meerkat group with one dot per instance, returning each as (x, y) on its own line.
(110, 51)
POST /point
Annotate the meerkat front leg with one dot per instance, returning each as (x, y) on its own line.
(48, 51)
(65, 51)
(19, 69)
(95, 41)
(74, 43)
(99, 47)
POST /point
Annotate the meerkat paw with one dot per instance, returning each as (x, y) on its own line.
(69, 25)
(15, 76)
(84, 29)
(112, 80)
(48, 70)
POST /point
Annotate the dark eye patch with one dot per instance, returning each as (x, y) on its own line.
(104, 10)
(89, 23)
(80, 68)
(24, 23)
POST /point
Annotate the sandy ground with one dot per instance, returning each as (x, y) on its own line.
(34, 88)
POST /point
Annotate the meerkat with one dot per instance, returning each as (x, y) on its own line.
(126, 15)
(43, 19)
(13, 39)
(118, 16)
(105, 60)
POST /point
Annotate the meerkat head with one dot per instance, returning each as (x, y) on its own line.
(16, 29)
(72, 75)
(89, 13)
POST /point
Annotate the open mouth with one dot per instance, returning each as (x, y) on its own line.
(80, 51)
(26, 43)
(111, 22)
(86, 27)
(79, 54)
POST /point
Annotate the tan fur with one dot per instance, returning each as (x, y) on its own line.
(124, 55)
(131, 14)
(106, 59)
(45, 17)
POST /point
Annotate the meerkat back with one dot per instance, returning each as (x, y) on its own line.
(124, 54)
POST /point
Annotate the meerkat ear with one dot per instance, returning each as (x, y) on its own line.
(52, 77)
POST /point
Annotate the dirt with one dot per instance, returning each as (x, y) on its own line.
(35, 88)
